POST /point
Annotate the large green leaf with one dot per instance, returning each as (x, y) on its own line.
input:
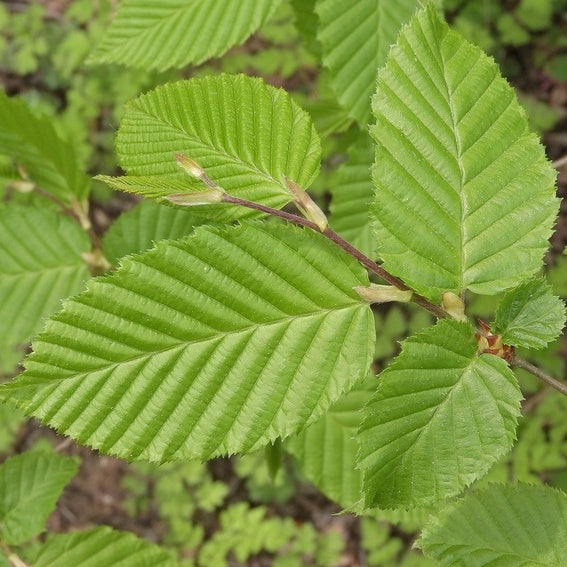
(173, 33)
(147, 223)
(248, 136)
(464, 193)
(508, 526)
(441, 417)
(102, 547)
(40, 264)
(352, 193)
(30, 485)
(530, 315)
(33, 143)
(211, 345)
(326, 451)
(356, 38)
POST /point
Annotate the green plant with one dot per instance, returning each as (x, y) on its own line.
(244, 335)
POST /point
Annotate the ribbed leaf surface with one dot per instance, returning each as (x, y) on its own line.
(440, 418)
(215, 344)
(174, 33)
(356, 38)
(102, 547)
(327, 450)
(147, 223)
(530, 315)
(248, 136)
(508, 526)
(48, 161)
(352, 192)
(464, 193)
(30, 485)
(40, 264)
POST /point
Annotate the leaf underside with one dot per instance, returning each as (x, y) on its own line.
(248, 136)
(440, 418)
(216, 344)
(521, 525)
(174, 33)
(464, 193)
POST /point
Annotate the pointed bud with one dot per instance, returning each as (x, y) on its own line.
(376, 293)
(208, 197)
(307, 206)
(454, 305)
(191, 167)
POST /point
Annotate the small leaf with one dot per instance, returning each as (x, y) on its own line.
(501, 525)
(214, 344)
(530, 315)
(251, 158)
(175, 33)
(355, 39)
(441, 417)
(30, 485)
(465, 197)
(102, 547)
(40, 264)
(47, 160)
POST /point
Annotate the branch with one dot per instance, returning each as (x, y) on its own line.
(348, 248)
(529, 367)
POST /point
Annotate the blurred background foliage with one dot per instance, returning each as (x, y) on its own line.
(231, 511)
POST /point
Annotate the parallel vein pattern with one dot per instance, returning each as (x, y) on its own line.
(356, 38)
(173, 33)
(40, 264)
(207, 346)
(464, 193)
(441, 417)
(248, 136)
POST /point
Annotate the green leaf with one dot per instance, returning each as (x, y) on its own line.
(356, 38)
(147, 223)
(464, 193)
(30, 485)
(273, 139)
(47, 160)
(352, 193)
(508, 526)
(174, 33)
(327, 450)
(40, 264)
(441, 417)
(530, 315)
(102, 547)
(215, 344)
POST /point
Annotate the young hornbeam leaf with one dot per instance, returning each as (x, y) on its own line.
(502, 525)
(441, 417)
(208, 197)
(217, 343)
(530, 315)
(454, 305)
(465, 196)
(377, 293)
(307, 206)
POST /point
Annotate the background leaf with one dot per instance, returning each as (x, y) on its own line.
(48, 161)
(174, 33)
(356, 38)
(464, 193)
(30, 485)
(102, 547)
(530, 315)
(142, 226)
(211, 345)
(244, 156)
(40, 264)
(501, 525)
(441, 417)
